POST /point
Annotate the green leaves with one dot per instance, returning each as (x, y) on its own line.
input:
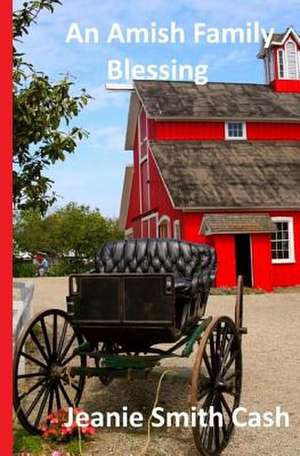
(74, 229)
(43, 111)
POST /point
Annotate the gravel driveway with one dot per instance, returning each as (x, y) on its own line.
(271, 378)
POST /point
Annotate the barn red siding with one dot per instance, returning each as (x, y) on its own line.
(261, 261)
(159, 197)
(273, 131)
(208, 131)
(188, 130)
(284, 85)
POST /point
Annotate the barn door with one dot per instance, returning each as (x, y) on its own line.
(243, 258)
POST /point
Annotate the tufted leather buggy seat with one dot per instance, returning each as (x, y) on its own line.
(194, 267)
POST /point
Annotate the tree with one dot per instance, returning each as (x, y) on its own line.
(73, 229)
(42, 114)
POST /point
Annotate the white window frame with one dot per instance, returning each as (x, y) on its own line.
(287, 60)
(163, 219)
(271, 66)
(176, 230)
(147, 219)
(291, 240)
(234, 138)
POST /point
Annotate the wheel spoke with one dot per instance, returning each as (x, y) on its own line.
(203, 393)
(67, 348)
(223, 342)
(210, 437)
(44, 329)
(217, 429)
(67, 360)
(204, 387)
(226, 406)
(42, 408)
(212, 354)
(35, 402)
(208, 366)
(54, 334)
(218, 355)
(68, 400)
(39, 346)
(51, 397)
(33, 374)
(33, 360)
(75, 386)
(58, 401)
(62, 338)
(227, 351)
(33, 388)
(229, 377)
(230, 362)
(207, 403)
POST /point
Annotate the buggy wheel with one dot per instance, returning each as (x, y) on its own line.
(43, 352)
(216, 385)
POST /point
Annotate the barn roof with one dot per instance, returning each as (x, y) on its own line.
(278, 39)
(237, 224)
(167, 100)
(186, 100)
(230, 174)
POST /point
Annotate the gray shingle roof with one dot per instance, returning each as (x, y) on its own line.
(230, 174)
(186, 100)
(236, 224)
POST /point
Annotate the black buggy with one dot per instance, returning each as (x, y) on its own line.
(142, 293)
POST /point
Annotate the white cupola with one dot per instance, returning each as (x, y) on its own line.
(282, 61)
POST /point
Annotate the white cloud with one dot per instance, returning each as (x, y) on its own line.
(105, 99)
(106, 139)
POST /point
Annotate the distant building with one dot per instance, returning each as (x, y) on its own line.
(220, 164)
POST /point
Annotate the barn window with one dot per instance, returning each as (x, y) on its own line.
(164, 227)
(291, 59)
(283, 241)
(271, 63)
(235, 130)
(176, 230)
(281, 63)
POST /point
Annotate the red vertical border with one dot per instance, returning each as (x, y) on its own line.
(6, 228)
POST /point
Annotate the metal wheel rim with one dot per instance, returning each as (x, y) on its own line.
(209, 444)
(52, 391)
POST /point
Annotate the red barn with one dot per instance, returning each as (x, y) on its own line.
(220, 164)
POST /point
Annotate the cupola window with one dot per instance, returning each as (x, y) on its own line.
(291, 60)
(281, 63)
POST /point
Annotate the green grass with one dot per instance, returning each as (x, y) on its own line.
(36, 446)
(73, 448)
(23, 441)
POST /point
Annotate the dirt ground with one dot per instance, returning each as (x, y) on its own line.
(271, 377)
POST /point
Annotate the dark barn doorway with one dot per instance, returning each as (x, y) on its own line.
(243, 258)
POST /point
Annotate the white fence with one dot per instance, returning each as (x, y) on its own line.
(22, 296)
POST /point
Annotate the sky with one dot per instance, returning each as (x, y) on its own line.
(93, 175)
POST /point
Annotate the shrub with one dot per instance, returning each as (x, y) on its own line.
(69, 266)
(24, 269)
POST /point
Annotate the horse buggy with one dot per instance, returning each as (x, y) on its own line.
(145, 302)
